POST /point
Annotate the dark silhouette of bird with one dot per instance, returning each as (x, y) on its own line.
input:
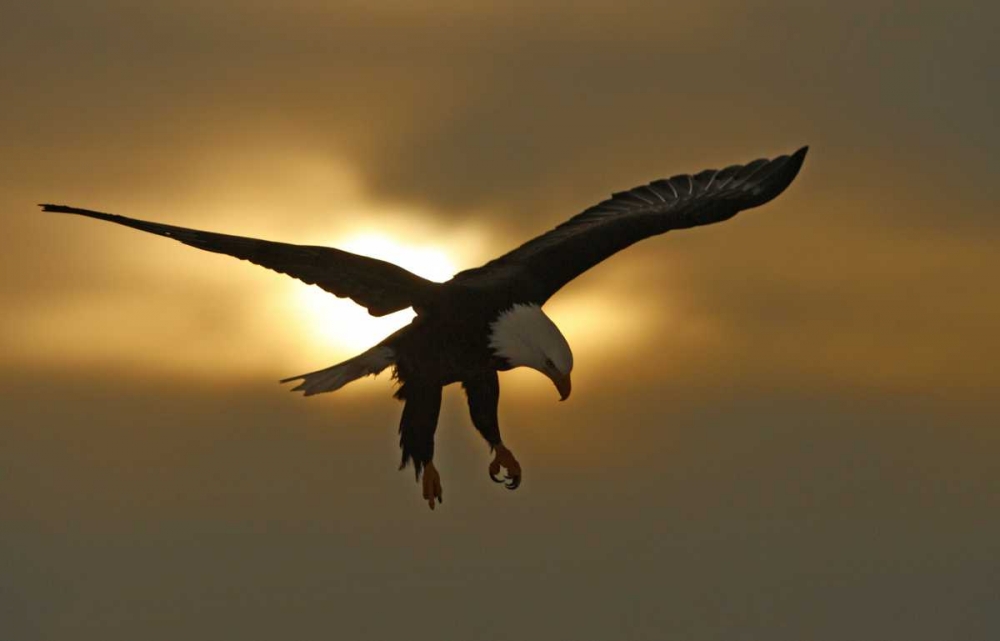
(487, 319)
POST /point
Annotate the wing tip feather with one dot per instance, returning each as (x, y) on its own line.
(796, 159)
(775, 177)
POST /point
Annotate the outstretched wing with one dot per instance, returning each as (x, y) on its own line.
(379, 286)
(539, 268)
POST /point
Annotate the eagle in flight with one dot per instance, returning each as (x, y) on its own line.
(487, 319)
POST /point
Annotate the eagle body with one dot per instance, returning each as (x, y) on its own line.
(487, 319)
(462, 336)
(449, 339)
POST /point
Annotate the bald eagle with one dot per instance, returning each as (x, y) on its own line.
(488, 319)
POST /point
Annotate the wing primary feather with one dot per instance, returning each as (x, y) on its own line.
(670, 184)
(728, 173)
(711, 180)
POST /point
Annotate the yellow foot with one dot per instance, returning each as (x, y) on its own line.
(432, 484)
(504, 458)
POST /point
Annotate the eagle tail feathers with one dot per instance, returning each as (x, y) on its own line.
(331, 379)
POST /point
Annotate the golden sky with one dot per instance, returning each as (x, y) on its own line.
(782, 427)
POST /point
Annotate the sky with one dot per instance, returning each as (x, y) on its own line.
(782, 427)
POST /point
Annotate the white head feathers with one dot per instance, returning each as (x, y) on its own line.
(524, 335)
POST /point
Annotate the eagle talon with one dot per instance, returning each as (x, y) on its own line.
(504, 459)
(432, 485)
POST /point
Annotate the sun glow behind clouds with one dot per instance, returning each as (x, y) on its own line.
(596, 324)
(345, 328)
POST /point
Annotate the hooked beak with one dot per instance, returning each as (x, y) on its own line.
(563, 384)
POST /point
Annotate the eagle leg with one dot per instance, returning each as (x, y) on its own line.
(504, 458)
(432, 484)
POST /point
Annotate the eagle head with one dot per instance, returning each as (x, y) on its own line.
(525, 336)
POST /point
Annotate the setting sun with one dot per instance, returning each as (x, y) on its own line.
(339, 323)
